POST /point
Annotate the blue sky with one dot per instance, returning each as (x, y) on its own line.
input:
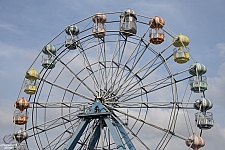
(26, 26)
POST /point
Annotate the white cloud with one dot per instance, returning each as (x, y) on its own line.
(216, 82)
(6, 121)
(221, 48)
(16, 54)
(10, 27)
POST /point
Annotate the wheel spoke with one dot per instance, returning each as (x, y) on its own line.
(54, 122)
(88, 67)
(117, 54)
(131, 132)
(145, 105)
(59, 136)
(131, 57)
(68, 90)
(81, 81)
(150, 124)
(155, 85)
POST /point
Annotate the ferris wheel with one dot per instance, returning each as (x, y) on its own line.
(117, 80)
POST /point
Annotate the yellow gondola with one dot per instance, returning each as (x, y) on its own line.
(181, 52)
(30, 86)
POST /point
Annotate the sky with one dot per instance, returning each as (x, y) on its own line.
(26, 26)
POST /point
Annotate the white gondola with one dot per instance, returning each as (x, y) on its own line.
(198, 84)
(48, 62)
(204, 120)
(128, 21)
(20, 135)
(70, 42)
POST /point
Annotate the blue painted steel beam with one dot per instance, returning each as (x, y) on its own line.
(86, 119)
(98, 105)
(77, 134)
(114, 134)
(124, 135)
(95, 137)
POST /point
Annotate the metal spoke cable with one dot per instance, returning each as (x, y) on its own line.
(113, 82)
(190, 133)
(149, 91)
(148, 72)
(50, 126)
(65, 66)
(151, 84)
(111, 63)
(128, 74)
(124, 81)
(150, 124)
(69, 90)
(87, 67)
(63, 132)
(142, 89)
(88, 89)
(126, 62)
(130, 131)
